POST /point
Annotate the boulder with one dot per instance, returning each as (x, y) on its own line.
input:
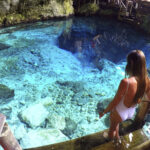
(70, 128)
(3, 46)
(103, 104)
(56, 121)
(34, 115)
(5, 93)
(40, 137)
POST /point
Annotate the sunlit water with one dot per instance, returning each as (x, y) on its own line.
(62, 77)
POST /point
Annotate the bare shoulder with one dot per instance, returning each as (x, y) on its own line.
(124, 83)
(133, 80)
(129, 81)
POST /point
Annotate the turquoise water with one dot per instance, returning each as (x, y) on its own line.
(61, 78)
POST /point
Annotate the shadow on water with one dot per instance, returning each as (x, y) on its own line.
(97, 38)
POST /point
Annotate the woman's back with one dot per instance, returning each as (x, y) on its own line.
(129, 97)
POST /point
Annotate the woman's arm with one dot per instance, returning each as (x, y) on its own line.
(120, 93)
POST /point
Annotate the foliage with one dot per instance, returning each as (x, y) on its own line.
(89, 9)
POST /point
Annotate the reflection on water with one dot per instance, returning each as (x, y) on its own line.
(99, 38)
(63, 72)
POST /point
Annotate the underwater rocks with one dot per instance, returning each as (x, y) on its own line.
(9, 66)
(70, 128)
(56, 121)
(34, 115)
(40, 137)
(5, 93)
(3, 46)
(104, 64)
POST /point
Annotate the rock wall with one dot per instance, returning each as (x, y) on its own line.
(18, 11)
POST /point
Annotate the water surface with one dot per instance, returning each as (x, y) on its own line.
(62, 77)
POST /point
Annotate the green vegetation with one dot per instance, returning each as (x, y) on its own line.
(27, 11)
(89, 9)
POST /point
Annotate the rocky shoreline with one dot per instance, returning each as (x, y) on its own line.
(15, 11)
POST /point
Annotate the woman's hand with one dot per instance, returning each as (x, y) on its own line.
(101, 114)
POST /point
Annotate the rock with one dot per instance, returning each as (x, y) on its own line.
(20, 131)
(103, 104)
(4, 6)
(34, 115)
(17, 11)
(3, 46)
(9, 66)
(56, 121)
(70, 127)
(105, 64)
(40, 137)
(5, 93)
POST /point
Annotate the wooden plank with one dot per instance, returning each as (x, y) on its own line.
(2, 122)
(143, 146)
(85, 142)
(82, 143)
(138, 137)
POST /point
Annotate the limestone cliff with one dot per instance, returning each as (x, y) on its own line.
(17, 11)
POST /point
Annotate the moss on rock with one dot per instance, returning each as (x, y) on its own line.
(28, 11)
(11, 19)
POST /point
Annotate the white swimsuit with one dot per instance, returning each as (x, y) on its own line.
(125, 112)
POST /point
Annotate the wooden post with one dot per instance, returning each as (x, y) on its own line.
(7, 139)
(140, 116)
(143, 146)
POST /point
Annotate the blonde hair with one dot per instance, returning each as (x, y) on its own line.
(136, 65)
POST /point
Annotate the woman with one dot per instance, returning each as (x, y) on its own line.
(129, 93)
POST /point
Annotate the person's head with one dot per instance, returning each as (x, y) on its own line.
(136, 66)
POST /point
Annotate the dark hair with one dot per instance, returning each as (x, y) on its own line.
(136, 65)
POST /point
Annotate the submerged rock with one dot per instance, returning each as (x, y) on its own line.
(42, 137)
(5, 93)
(3, 46)
(70, 128)
(56, 121)
(34, 115)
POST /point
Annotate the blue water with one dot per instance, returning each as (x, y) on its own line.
(61, 77)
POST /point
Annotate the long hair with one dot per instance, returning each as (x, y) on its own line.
(136, 65)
